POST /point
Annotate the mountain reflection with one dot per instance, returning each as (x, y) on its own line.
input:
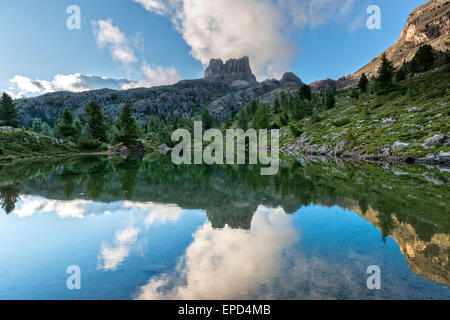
(408, 203)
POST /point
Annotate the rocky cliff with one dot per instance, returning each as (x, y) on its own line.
(427, 24)
(234, 72)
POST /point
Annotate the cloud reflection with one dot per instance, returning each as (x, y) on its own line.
(112, 256)
(228, 263)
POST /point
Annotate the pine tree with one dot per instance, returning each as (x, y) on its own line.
(253, 107)
(424, 58)
(128, 126)
(400, 75)
(276, 106)
(330, 100)
(66, 127)
(8, 112)
(243, 120)
(96, 121)
(284, 101)
(207, 119)
(262, 117)
(385, 74)
(362, 84)
(153, 124)
(37, 125)
(305, 92)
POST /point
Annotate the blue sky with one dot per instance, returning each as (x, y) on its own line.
(152, 42)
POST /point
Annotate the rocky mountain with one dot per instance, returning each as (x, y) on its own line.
(226, 87)
(234, 101)
(427, 24)
(235, 72)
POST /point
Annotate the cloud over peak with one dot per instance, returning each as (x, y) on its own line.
(260, 29)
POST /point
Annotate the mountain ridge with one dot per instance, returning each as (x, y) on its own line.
(225, 88)
(427, 24)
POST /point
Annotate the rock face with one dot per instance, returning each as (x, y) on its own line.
(234, 101)
(427, 24)
(235, 72)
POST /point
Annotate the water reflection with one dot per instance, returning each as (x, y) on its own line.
(9, 194)
(231, 263)
(308, 232)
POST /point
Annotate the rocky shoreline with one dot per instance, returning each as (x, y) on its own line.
(357, 154)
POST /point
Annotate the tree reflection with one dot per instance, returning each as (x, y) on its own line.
(8, 197)
(128, 172)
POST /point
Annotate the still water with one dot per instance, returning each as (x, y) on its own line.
(147, 229)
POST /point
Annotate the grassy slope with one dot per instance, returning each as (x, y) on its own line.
(419, 108)
(21, 144)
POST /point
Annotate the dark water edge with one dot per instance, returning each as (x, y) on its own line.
(329, 212)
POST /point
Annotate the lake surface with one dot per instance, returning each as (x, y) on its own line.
(147, 229)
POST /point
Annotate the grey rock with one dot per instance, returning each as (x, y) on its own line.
(398, 145)
(436, 139)
(234, 71)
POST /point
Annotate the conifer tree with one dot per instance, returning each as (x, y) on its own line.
(362, 84)
(262, 117)
(284, 100)
(128, 126)
(305, 92)
(385, 74)
(424, 58)
(37, 125)
(276, 106)
(8, 112)
(243, 120)
(330, 100)
(207, 119)
(96, 121)
(66, 127)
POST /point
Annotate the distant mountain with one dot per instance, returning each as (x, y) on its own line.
(225, 88)
(427, 24)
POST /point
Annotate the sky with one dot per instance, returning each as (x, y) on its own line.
(124, 44)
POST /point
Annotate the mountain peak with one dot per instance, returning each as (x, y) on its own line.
(232, 72)
(427, 24)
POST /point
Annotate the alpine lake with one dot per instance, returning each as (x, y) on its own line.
(144, 228)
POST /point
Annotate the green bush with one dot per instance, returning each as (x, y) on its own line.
(89, 144)
(341, 122)
(295, 131)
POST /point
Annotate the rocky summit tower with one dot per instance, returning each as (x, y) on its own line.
(234, 72)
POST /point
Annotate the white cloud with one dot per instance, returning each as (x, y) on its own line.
(260, 29)
(153, 5)
(110, 36)
(125, 55)
(22, 86)
(155, 77)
